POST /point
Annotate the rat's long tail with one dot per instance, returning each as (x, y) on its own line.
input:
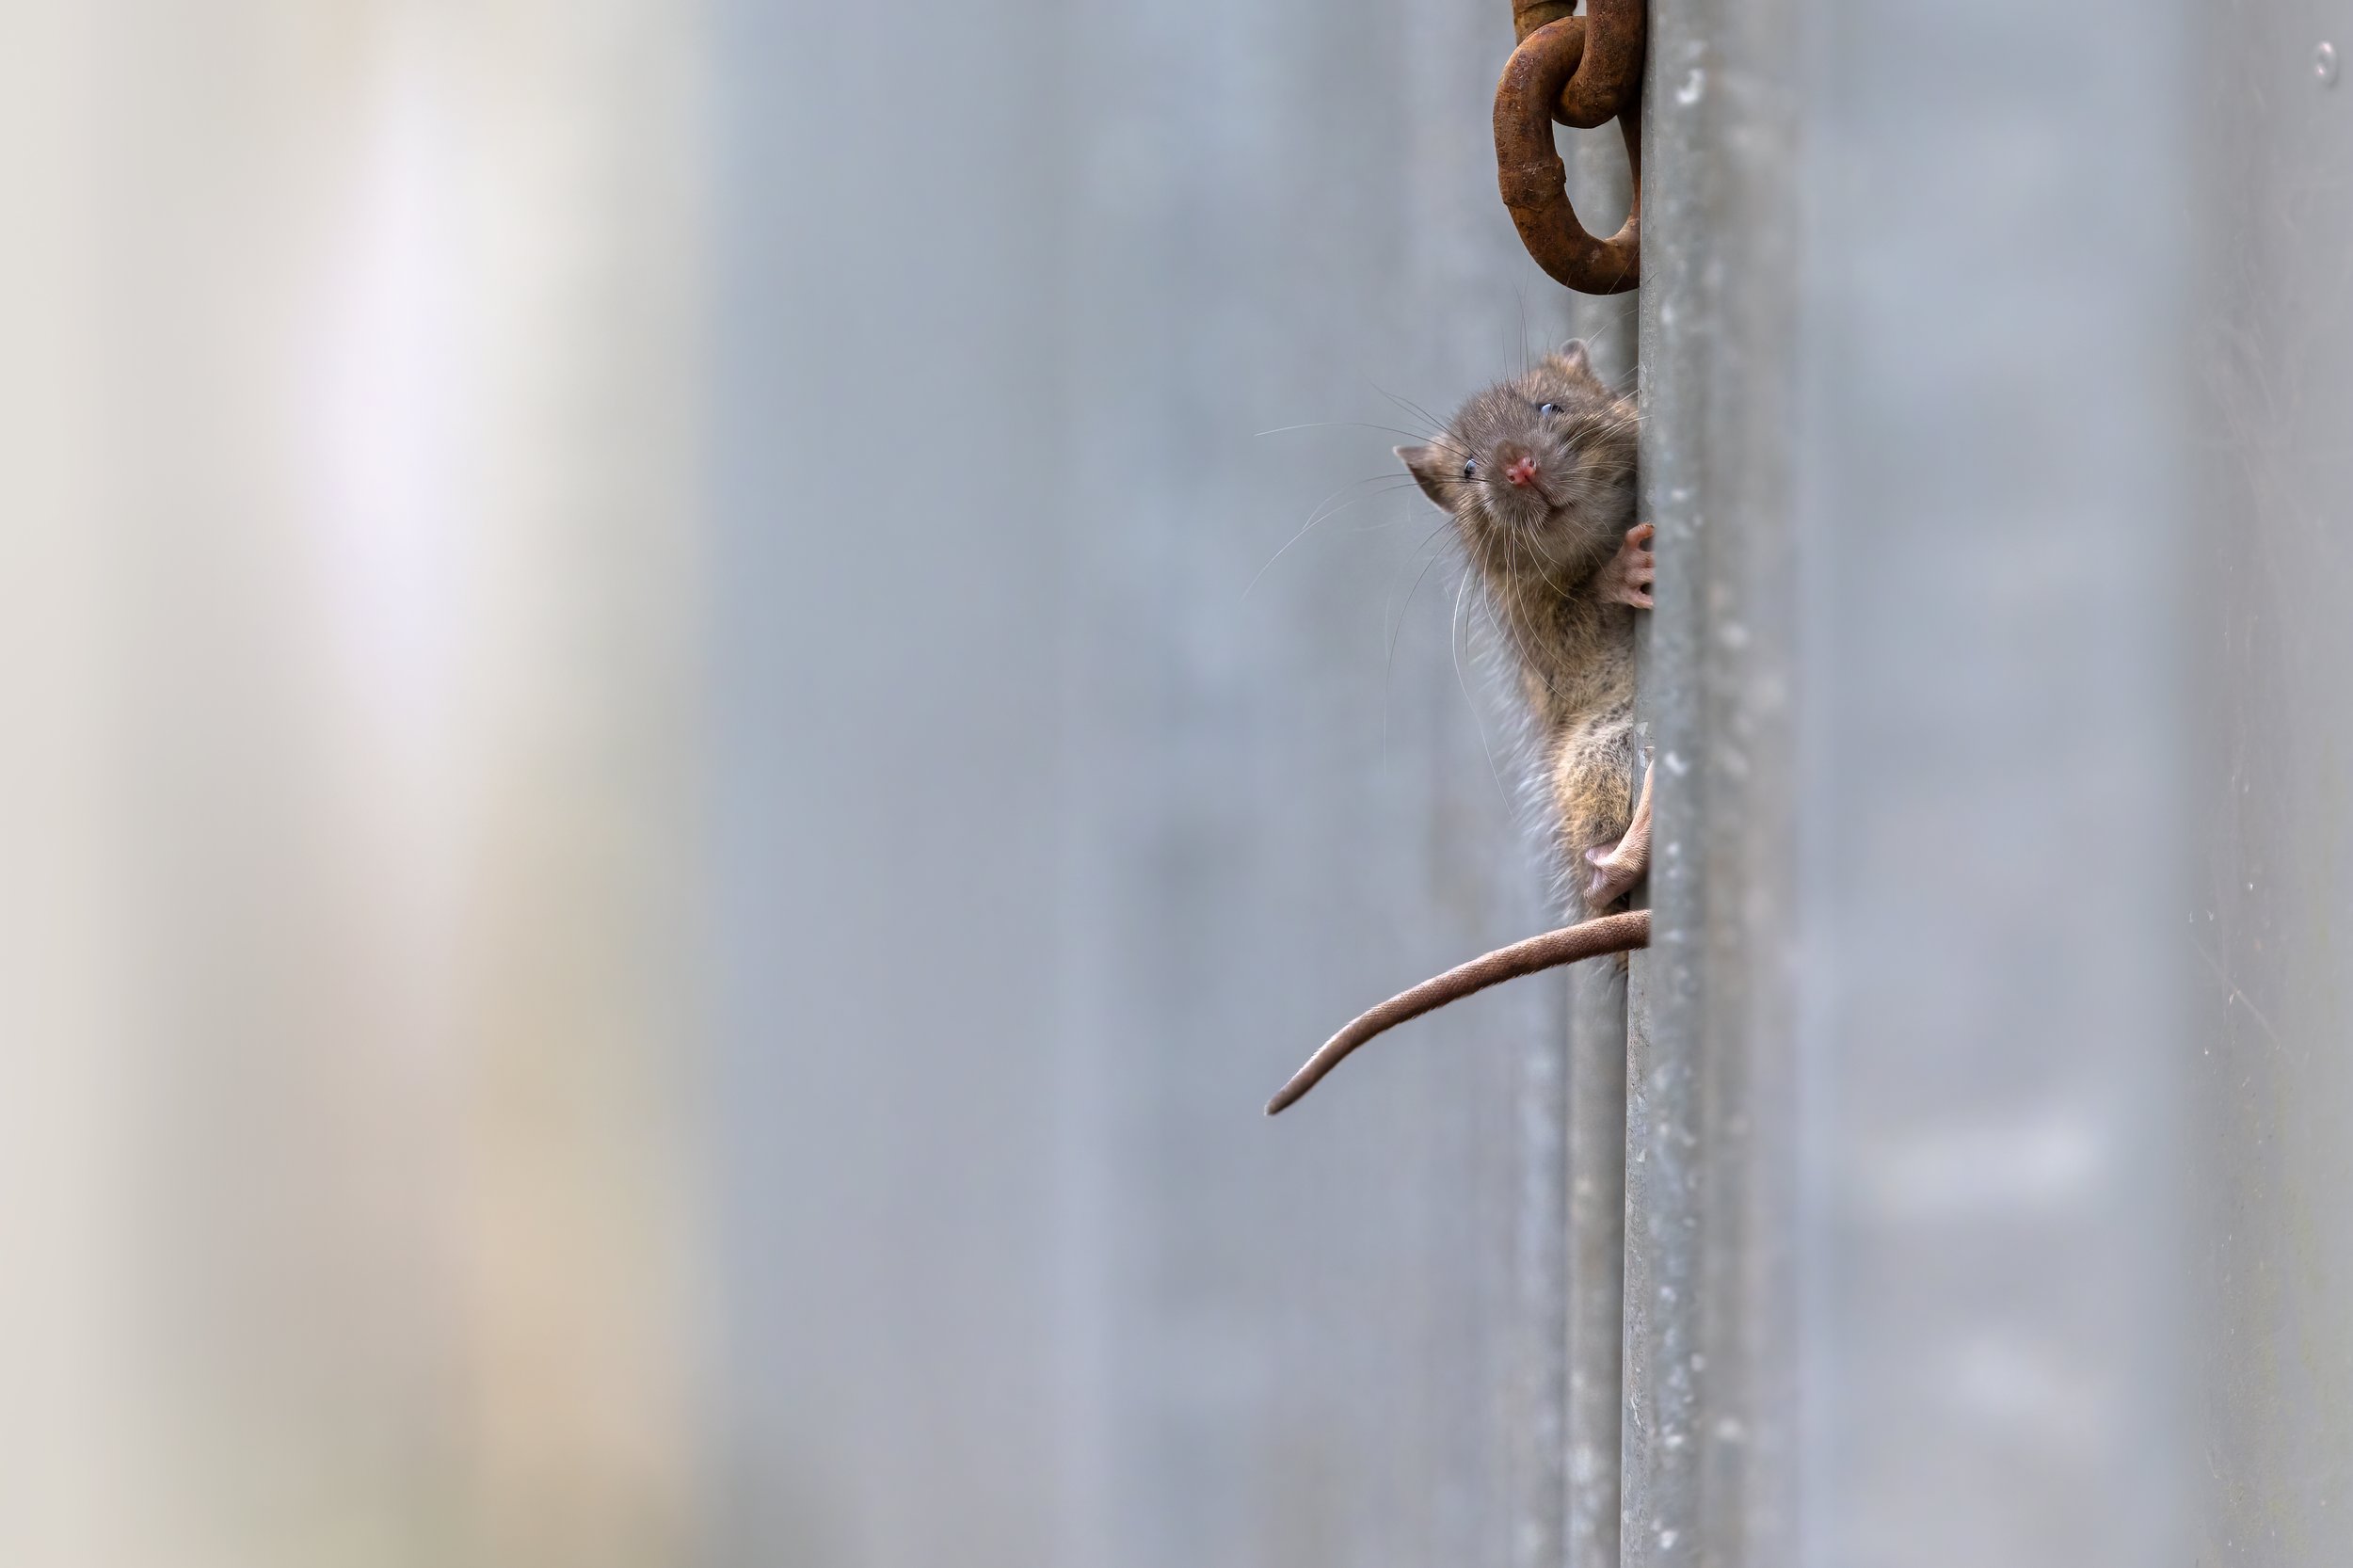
(1586, 939)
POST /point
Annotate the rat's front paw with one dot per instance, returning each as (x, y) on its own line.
(1627, 578)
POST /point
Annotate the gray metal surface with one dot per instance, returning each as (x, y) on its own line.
(2262, 941)
(1018, 1273)
(1907, 1039)
(1990, 507)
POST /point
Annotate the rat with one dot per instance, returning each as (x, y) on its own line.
(1539, 475)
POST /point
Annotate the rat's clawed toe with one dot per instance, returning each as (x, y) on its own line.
(1628, 578)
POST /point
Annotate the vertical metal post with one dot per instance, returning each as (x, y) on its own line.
(1596, 1225)
(1662, 1362)
(1597, 999)
(2264, 943)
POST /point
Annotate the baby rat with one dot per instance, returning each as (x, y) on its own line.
(1538, 474)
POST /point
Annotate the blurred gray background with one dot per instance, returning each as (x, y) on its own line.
(1065, 800)
(697, 695)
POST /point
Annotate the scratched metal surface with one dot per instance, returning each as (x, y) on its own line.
(2263, 942)
(1021, 1275)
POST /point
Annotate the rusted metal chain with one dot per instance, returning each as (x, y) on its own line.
(1581, 71)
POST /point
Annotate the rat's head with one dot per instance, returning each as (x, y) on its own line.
(1537, 473)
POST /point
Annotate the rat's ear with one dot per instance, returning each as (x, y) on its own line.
(1572, 355)
(1422, 462)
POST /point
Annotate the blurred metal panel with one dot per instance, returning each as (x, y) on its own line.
(1916, 450)
(1990, 515)
(346, 544)
(887, 587)
(2265, 950)
(1019, 1274)
(1335, 1338)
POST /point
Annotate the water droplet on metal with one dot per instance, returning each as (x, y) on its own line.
(2325, 65)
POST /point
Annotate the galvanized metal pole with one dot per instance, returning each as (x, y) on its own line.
(1663, 1361)
(2264, 943)
(1596, 1108)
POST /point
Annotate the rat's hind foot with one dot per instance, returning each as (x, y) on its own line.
(1626, 577)
(1620, 866)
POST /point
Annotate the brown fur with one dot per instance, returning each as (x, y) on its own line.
(1543, 553)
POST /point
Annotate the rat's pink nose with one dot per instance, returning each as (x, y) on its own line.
(1522, 472)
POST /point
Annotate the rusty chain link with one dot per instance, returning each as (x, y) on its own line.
(1581, 71)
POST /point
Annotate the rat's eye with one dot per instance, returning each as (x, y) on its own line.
(1548, 410)
(1470, 468)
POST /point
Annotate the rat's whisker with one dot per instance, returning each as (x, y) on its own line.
(1511, 632)
(1389, 663)
(1438, 439)
(1550, 560)
(1398, 488)
(1435, 557)
(1462, 681)
(1412, 408)
(1317, 514)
